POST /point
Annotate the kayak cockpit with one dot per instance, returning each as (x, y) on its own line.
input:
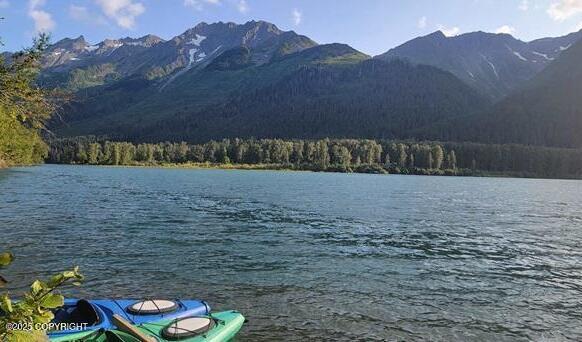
(80, 313)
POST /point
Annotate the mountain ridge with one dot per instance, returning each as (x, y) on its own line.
(547, 111)
(494, 64)
(221, 79)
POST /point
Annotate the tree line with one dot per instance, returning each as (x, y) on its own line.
(338, 155)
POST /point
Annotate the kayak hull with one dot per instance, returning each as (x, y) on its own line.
(105, 309)
(229, 324)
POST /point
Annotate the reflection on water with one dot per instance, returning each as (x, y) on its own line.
(312, 255)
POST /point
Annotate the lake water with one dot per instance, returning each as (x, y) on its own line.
(312, 256)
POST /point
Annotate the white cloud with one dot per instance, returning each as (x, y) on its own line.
(123, 12)
(243, 6)
(43, 21)
(199, 4)
(421, 23)
(564, 9)
(4, 3)
(83, 15)
(505, 29)
(297, 16)
(79, 13)
(449, 31)
(523, 5)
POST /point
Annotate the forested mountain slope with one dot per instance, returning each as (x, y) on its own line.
(227, 80)
(328, 90)
(246, 80)
(547, 111)
(371, 98)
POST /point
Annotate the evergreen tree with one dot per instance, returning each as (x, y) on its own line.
(321, 155)
(452, 160)
(438, 156)
(402, 157)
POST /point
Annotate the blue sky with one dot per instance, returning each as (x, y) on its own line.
(372, 26)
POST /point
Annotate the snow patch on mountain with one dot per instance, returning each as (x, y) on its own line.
(197, 40)
(491, 65)
(192, 54)
(547, 58)
(137, 44)
(520, 56)
(517, 54)
(564, 48)
(201, 57)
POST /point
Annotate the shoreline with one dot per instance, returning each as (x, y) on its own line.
(287, 168)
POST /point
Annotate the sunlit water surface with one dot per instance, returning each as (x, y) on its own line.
(312, 255)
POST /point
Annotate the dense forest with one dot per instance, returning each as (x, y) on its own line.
(335, 155)
(371, 99)
(547, 111)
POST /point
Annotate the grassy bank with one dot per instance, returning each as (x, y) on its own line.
(364, 169)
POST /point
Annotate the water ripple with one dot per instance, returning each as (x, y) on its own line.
(309, 256)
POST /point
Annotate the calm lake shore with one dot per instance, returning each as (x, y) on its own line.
(363, 170)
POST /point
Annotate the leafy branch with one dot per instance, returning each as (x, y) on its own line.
(36, 306)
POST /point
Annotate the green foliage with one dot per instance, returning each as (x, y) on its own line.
(5, 260)
(35, 307)
(335, 155)
(94, 75)
(24, 107)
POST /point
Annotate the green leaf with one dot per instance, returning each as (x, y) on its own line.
(53, 301)
(55, 280)
(69, 274)
(36, 287)
(45, 317)
(24, 336)
(6, 303)
(6, 259)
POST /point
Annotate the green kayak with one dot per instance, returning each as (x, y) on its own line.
(221, 326)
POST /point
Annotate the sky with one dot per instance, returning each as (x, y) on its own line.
(371, 26)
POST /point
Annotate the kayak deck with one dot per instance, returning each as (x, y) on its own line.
(227, 325)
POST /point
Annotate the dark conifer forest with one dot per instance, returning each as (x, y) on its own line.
(334, 155)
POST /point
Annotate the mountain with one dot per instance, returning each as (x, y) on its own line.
(494, 64)
(70, 53)
(368, 98)
(224, 79)
(75, 64)
(546, 111)
(132, 88)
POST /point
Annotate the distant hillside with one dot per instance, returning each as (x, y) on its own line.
(228, 80)
(364, 99)
(222, 80)
(494, 64)
(547, 111)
